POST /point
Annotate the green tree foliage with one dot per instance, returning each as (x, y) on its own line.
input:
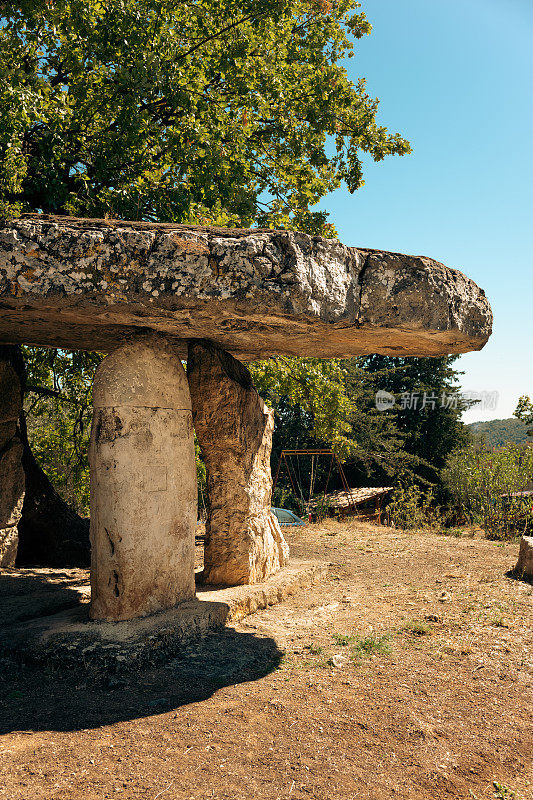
(58, 406)
(318, 403)
(200, 111)
(333, 403)
(524, 412)
(313, 391)
(380, 457)
(312, 409)
(426, 417)
(481, 483)
(499, 432)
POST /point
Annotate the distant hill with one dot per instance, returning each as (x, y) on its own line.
(498, 432)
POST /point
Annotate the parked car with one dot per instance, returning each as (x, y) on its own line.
(286, 517)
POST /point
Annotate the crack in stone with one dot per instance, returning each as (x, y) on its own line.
(111, 542)
(361, 277)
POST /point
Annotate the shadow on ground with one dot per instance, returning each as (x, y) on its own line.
(33, 698)
(519, 576)
(36, 592)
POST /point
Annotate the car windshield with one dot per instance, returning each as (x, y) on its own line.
(284, 516)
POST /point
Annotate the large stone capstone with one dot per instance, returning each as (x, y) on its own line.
(143, 483)
(91, 284)
(12, 481)
(234, 426)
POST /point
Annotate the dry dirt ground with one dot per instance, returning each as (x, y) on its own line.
(407, 673)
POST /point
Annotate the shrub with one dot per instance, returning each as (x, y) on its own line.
(485, 487)
(412, 508)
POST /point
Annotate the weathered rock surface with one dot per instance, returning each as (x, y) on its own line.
(90, 284)
(244, 543)
(524, 565)
(143, 483)
(12, 481)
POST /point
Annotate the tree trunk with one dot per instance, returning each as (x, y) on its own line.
(51, 533)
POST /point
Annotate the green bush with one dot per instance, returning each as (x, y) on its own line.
(481, 484)
(411, 508)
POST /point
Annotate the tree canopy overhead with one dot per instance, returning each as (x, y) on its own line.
(198, 111)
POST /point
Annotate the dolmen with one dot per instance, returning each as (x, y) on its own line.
(153, 295)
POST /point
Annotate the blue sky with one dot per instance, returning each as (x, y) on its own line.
(455, 77)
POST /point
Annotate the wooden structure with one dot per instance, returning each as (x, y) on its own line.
(352, 501)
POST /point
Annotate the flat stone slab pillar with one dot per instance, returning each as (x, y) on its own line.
(244, 543)
(143, 483)
(12, 480)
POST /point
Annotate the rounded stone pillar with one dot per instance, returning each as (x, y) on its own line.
(143, 483)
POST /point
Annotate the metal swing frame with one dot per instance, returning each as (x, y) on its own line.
(314, 452)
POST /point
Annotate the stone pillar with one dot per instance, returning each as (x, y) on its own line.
(524, 565)
(143, 482)
(244, 543)
(12, 479)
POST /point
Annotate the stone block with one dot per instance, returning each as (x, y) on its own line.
(244, 542)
